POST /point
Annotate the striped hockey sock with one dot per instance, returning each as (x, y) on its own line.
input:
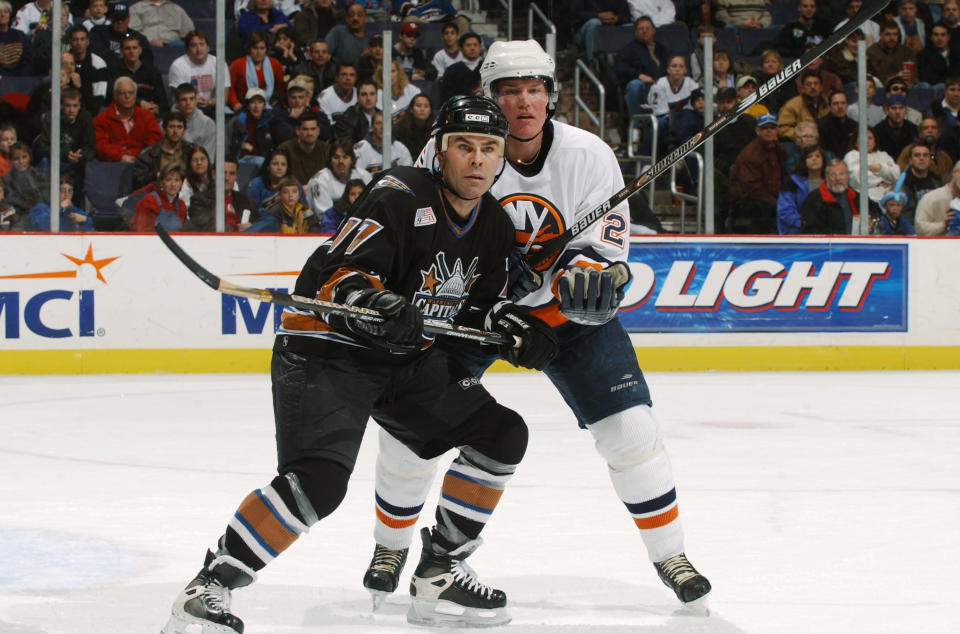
(471, 490)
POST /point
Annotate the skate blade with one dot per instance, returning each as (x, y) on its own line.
(182, 624)
(447, 614)
(698, 607)
(378, 596)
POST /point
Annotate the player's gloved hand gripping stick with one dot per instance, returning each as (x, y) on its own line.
(360, 313)
(548, 249)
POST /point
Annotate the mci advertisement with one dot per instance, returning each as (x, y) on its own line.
(763, 287)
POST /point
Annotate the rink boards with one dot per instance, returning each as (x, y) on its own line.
(99, 303)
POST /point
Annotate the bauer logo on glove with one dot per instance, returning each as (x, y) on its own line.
(590, 296)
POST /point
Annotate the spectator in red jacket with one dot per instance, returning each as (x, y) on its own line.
(255, 70)
(123, 128)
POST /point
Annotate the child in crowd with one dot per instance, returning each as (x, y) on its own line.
(450, 53)
(333, 216)
(275, 167)
(97, 14)
(8, 136)
(25, 186)
(891, 223)
(72, 218)
(162, 205)
(290, 213)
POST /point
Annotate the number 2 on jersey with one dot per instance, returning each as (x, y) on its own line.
(614, 226)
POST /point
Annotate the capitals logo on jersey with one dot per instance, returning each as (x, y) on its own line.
(444, 289)
(536, 219)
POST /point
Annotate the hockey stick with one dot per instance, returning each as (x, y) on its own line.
(553, 246)
(319, 305)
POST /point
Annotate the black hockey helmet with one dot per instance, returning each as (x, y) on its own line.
(470, 114)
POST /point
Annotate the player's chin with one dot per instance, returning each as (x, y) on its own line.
(477, 185)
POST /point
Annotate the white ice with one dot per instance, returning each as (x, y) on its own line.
(814, 502)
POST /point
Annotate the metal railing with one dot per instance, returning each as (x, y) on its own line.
(550, 39)
(579, 104)
(685, 197)
(636, 124)
(508, 5)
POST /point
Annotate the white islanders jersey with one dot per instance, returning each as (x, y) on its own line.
(577, 173)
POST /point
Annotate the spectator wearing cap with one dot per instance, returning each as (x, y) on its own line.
(283, 123)
(929, 135)
(316, 19)
(898, 86)
(318, 66)
(255, 70)
(891, 221)
(163, 22)
(886, 57)
(689, 120)
(347, 41)
(16, 48)
(809, 105)
(198, 67)
(342, 94)
(935, 211)
(837, 131)
(261, 17)
(151, 93)
(746, 85)
(832, 208)
(591, 15)
(755, 179)
(875, 113)
(463, 78)
(248, 132)
(123, 128)
(411, 58)
(105, 40)
(809, 29)
(168, 151)
(895, 133)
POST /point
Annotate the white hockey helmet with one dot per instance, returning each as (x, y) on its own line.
(518, 59)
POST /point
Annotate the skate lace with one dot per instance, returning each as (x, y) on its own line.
(386, 559)
(216, 597)
(467, 578)
(678, 568)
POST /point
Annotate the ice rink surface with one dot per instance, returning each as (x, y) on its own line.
(814, 502)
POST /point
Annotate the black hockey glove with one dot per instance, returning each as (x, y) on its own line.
(402, 328)
(591, 297)
(537, 346)
(521, 279)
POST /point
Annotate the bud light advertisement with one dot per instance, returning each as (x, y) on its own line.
(744, 287)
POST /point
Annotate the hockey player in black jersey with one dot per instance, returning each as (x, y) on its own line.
(415, 243)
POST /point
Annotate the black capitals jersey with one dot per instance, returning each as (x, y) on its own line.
(400, 235)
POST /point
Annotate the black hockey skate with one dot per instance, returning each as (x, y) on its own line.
(444, 591)
(678, 574)
(383, 573)
(206, 600)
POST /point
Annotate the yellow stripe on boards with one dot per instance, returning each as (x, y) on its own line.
(652, 359)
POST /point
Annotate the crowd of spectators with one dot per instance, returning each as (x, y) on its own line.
(304, 127)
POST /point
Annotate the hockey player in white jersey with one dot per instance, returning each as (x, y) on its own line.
(554, 175)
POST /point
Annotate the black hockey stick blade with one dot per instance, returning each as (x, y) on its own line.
(546, 251)
(318, 305)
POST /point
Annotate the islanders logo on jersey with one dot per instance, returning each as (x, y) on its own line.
(536, 220)
(443, 288)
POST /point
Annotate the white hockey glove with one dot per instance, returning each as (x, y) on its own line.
(591, 297)
(521, 279)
